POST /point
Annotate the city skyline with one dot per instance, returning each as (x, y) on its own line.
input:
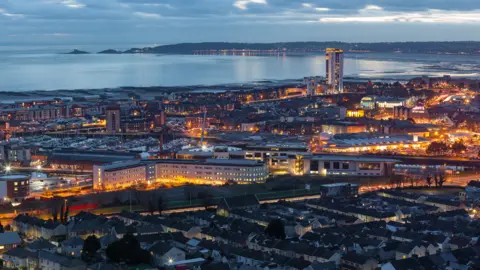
(165, 21)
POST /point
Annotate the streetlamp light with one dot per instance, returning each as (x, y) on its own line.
(8, 169)
(39, 167)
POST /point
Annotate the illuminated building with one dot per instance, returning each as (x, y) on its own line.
(314, 85)
(264, 152)
(121, 175)
(343, 128)
(402, 112)
(113, 119)
(368, 102)
(356, 113)
(213, 171)
(389, 102)
(331, 165)
(14, 187)
(375, 144)
(334, 68)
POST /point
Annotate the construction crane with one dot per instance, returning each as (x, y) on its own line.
(202, 136)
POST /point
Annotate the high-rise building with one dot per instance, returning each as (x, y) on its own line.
(113, 119)
(334, 60)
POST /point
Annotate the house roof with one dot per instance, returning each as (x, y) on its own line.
(40, 244)
(62, 260)
(9, 238)
(407, 264)
(74, 241)
(161, 248)
(356, 258)
(241, 201)
(20, 253)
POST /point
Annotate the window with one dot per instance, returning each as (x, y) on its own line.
(326, 165)
(345, 165)
(369, 166)
(336, 165)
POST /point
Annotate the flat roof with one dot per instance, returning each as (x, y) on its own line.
(350, 158)
(10, 177)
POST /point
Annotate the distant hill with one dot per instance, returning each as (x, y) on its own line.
(78, 52)
(110, 51)
(460, 47)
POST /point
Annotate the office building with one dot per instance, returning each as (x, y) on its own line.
(113, 119)
(325, 165)
(211, 171)
(402, 112)
(14, 187)
(334, 69)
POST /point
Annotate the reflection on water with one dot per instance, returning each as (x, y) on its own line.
(47, 71)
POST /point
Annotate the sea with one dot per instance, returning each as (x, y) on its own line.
(30, 68)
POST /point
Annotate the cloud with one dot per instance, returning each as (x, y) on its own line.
(67, 3)
(147, 15)
(10, 15)
(371, 7)
(242, 4)
(57, 35)
(215, 20)
(431, 16)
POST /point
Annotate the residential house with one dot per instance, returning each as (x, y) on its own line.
(409, 250)
(164, 253)
(356, 261)
(51, 261)
(9, 240)
(406, 264)
(246, 202)
(72, 246)
(19, 258)
(41, 245)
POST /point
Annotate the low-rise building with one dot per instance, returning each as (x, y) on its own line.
(213, 171)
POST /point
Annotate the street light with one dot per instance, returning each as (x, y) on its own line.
(39, 167)
(8, 168)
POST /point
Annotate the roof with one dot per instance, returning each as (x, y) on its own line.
(407, 264)
(40, 244)
(9, 238)
(74, 241)
(241, 201)
(350, 158)
(161, 248)
(20, 253)
(356, 258)
(215, 266)
(62, 260)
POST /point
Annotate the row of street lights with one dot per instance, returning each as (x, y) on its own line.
(8, 168)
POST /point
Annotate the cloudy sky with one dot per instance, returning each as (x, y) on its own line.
(172, 21)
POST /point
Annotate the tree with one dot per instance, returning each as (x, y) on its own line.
(2, 230)
(55, 214)
(128, 250)
(428, 179)
(276, 229)
(437, 148)
(458, 147)
(151, 207)
(206, 198)
(441, 179)
(62, 211)
(161, 204)
(90, 247)
(435, 179)
(65, 215)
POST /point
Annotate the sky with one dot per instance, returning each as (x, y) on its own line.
(175, 21)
